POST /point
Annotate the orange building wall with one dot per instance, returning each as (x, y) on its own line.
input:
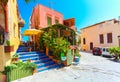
(41, 12)
(91, 34)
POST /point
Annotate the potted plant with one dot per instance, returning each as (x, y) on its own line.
(29, 60)
(6, 70)
(15, 58)
(77, 57)
(9, 47)
(29, 49)
(30, 65)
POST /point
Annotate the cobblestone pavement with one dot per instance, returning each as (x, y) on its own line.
(91, 69)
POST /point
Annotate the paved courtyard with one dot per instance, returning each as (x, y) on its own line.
(91, 69)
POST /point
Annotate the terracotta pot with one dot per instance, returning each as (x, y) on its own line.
(58, 61)
(54, 60)
(15, 59)
(9, 48)
(51, 57)
(30, 49)
(4, 78)
(34, 71)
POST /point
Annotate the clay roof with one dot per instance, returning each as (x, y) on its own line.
(100, 23)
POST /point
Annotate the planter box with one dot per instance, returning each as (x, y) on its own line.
(9, 48)
(17, 74)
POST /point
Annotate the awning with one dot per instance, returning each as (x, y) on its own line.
(30, 32)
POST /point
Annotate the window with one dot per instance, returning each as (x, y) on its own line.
(56, 21)
(103, 49)
(1, 36)
(109, 37)
(84, 41)
(49, 21)
(67, 23)
(101, 38)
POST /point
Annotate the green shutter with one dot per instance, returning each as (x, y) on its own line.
(49, 21)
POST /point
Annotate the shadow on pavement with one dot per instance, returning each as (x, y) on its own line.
(113, 60)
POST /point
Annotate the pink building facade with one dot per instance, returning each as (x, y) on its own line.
(43, 17)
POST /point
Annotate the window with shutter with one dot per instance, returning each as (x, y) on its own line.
(101, 38)
(84, 41)
(49, 21)
(109, 37)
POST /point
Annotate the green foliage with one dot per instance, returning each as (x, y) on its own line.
(27, 1)
(8, 43)
(9, 68)
(59, 45)
(29, 65)
(4, 1)
(19, 65)
(115, 51)
(41, 42)
(77, 53)
(15, 55)
(55, 43)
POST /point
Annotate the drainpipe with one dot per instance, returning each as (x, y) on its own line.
(6, 18)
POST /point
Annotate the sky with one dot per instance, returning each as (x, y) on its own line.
(85, 12)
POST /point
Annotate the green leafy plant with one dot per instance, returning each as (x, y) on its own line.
(8, 68)
(115, 51)
(57, 43)
(29, 65)
(77, 53)
(19, 65)
(4, 1)
(15, 55)
(8, 43)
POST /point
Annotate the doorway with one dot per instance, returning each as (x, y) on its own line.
(91, 45)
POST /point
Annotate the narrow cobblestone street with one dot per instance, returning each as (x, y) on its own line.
(91, 69)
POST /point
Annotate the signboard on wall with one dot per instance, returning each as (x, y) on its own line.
(66, 32)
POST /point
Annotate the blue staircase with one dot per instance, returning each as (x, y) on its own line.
(40, 59)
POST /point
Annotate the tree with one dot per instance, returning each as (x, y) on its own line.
(27, 1)
(115, 51)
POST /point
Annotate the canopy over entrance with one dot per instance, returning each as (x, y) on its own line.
(31, 32)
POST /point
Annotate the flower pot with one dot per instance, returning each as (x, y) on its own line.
(29, 49)
(34, 71)
(4, 78)
(58, 61)
(76, 60)
(15, 59)
(51, 57)
(54, 60)
(9, 48)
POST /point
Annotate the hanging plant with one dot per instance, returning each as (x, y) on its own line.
(4, 1)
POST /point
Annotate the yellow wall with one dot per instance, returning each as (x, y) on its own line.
(12, 36)
(13, 28)
(91, 34)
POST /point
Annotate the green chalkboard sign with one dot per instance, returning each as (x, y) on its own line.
(69, 57)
